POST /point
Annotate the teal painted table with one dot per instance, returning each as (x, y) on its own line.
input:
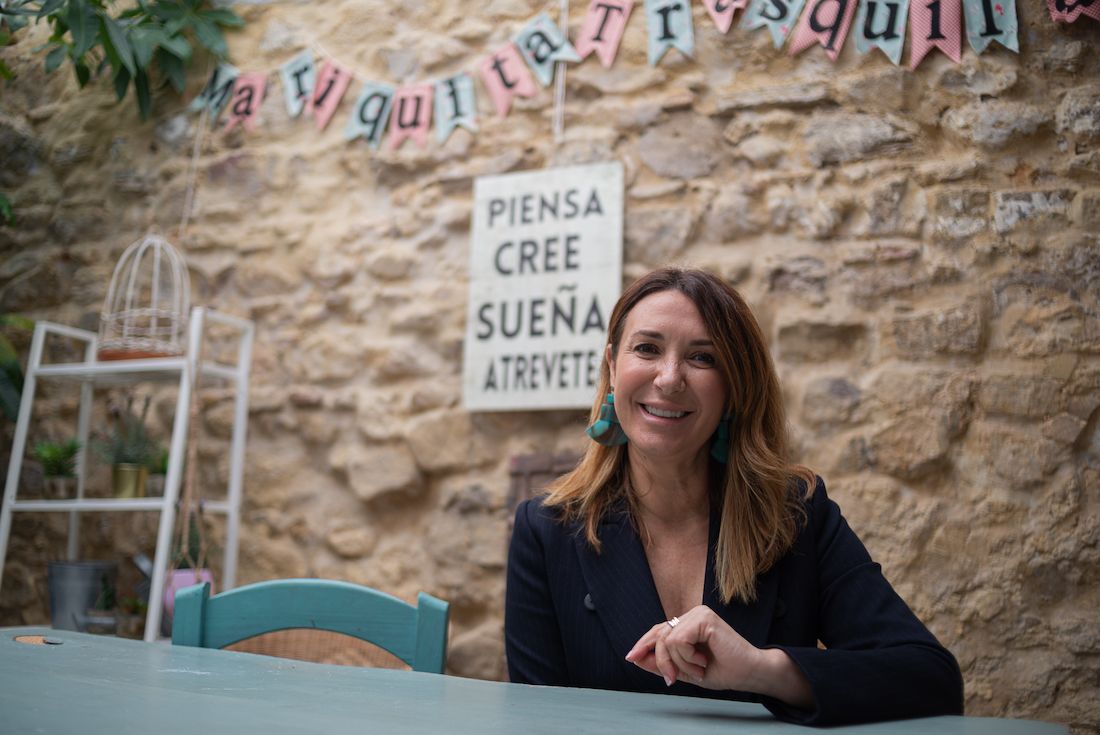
(96, 684)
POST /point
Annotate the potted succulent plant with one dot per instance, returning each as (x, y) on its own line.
(188, 567)
(128, 448)
(158, 469)
(58, 460)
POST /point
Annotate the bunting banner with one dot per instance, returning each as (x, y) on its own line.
(218, 90)
(248, 94)
(455, 104)
(371, 113)
(298, 78)
(668, 24)
(934, 24)
(721, 12)
(542, 44)
(825, 22)
(331, 85)
(412, 115)
(991, 20)
(778, 16)
(506, 77)
(603, 28)
(1068, 11)
(881, 24)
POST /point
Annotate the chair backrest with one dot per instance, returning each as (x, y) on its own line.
(416, 635)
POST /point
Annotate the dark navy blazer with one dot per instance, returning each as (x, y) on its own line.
(571, 615)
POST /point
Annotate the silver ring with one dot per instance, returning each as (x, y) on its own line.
(673, 621)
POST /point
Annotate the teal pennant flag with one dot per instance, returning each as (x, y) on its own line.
(298, 76)
(778, 16)
(668, 23)
(218, 90)
(455, 104)
(371, 113)
(881, 24)
(542, 44)
(991, 20)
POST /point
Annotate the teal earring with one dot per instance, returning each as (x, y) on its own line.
(606, 429)
(720, 447)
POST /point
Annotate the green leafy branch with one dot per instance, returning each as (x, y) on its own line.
(153, 40)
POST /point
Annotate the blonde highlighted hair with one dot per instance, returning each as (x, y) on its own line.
(759, 511)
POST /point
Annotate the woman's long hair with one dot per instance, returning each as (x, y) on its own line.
(760, 513)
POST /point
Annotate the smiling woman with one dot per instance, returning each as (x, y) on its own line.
(687, 554)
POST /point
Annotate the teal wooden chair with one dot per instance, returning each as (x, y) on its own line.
(416, 635)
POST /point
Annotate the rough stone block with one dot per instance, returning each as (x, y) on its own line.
(1045, 210)
(1015, 394)
(954, 331)
(842, 137)
(1016, 455)
(983, 76)
(686, 147)
(1079, 113)
(1064, 428)
(377, 471)
(809, 341)
(447, 440)
(656, 236)
(911, 447)
(805, 276)
(994, 123)
(960, 214)
(352, 542)
(731, 214)
(894, 208)
(828, 401)
(810, 94)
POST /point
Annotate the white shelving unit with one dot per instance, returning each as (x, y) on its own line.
(91, 373)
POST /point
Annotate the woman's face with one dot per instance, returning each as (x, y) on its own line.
(669, 393)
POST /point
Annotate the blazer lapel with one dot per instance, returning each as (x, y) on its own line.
(619, 582)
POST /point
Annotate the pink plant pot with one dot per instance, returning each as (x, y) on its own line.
(180, 579)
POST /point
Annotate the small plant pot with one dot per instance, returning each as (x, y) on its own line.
(180, 579)
(128, 480)
(79, 590)
(60, 488)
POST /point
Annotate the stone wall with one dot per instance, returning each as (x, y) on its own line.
(921, 248)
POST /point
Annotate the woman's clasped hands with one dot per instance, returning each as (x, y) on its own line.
(700, 648)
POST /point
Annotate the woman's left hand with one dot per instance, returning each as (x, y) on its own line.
(703, 650)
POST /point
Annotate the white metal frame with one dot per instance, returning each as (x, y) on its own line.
(91, 372)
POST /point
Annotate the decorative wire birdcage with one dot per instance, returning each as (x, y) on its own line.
(148, 303)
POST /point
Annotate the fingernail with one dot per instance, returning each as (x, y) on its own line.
(668, 682)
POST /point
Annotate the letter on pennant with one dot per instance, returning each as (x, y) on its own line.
(331, 85)
(991, 20)
(778, 16)
(934, 24)
(372, 111)
(1068, 11)
(412, 115)
(455, 104)
(218, 90)
(543, 44)
(668, 23)
(825, 22)
(506, 77)
(248, 94)
(721, 12)
(603, 28)
(298, 77)
(881, 24)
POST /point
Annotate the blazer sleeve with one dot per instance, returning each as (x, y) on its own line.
(879, 662)
(532, 640)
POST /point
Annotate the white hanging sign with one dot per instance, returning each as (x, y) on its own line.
(546, 255)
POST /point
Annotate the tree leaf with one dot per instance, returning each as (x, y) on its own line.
(177, 46)
(144, 40)
(5, 72)
(210, 37)
(173, 69)
(223, 17)
(122, 82)
(82, 25)
(55, 57)
(144, 99)
(116, 37)
(83, 73)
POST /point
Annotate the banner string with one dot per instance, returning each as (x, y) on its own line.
(559, 80)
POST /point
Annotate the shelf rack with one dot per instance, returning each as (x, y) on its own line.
(184, 370)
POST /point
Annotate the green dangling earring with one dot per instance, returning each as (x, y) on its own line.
(606, 429)
(720, 447)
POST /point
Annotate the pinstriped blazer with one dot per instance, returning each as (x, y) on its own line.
(571, 615)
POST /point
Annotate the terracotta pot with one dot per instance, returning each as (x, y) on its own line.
(180, 579)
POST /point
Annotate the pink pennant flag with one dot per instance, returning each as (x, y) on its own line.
(603, 28)
(506, 76)
(721, 12)
(332, 82)
(412, 115)
(1068, 11)
(935, 24)
(248, 94)
(825, 22)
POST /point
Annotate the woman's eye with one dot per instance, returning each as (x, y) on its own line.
(645, 348)
(704, 358)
